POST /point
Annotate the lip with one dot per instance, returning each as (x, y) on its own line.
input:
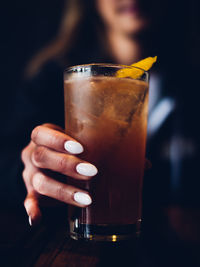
(129, 8)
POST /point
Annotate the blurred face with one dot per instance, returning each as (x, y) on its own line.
(124, 16)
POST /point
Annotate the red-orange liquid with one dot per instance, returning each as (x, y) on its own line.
(108, 116)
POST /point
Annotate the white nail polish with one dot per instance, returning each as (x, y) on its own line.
(82, 198)
(86, 169)
(73, 147)
(29, 220)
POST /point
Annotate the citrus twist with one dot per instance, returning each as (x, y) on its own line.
(138, 70)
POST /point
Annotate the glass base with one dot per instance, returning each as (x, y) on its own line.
(104, 232)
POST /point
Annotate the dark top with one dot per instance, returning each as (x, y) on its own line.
(39, 100)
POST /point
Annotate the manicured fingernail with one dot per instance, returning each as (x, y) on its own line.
(86, 169)
(82, 198)
(73, 147)
(30, 220)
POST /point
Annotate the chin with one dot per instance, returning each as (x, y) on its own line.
(134, 28)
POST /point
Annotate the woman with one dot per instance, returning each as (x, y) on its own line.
(98, 31)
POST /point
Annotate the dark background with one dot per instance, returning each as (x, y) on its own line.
(27, 26)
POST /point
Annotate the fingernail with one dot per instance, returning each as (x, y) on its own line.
(30, 220)
(73, 147)
(82, 198)
(86, 169)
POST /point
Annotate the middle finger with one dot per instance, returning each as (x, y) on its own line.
(70, 165)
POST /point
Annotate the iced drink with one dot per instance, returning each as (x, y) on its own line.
(108, 116)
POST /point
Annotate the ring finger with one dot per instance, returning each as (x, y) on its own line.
(47, 186)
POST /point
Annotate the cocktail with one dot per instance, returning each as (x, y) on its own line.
(107, 114)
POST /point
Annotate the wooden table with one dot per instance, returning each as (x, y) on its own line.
(170, 237)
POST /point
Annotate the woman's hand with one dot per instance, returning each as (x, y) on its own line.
(51, 149)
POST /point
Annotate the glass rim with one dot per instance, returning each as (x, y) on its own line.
(105, 65)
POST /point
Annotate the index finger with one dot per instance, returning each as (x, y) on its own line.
(56, 140)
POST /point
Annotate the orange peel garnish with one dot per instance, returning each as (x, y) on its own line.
(138, 71)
